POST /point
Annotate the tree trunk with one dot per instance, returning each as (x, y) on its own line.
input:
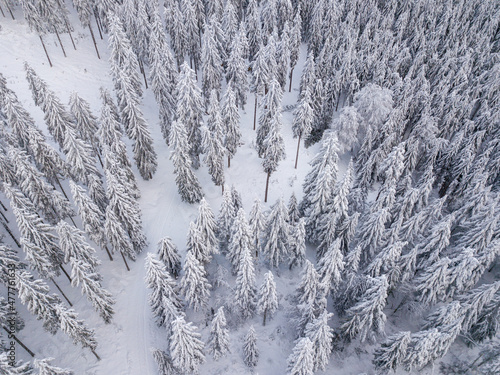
(65, 272)
(125, 261)
(69, 32)
(3, 206)
(264, 320)
(94, 353)
(60, 290)
(1, 10)
(222, 188)
(267, 185)
(297, 156)
(59, 39)
(45, 49)
(19, 342)
(6, 220)
(59, 183)
(95, 44)
(228, 161)
(98, 23)
(291, 75)
(141, 67)
(109, 254)
(255, 112)
(11, 235)
(10, 10)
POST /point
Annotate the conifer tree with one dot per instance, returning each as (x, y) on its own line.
(45, 368)
(187, 184)
(254, 28)
(237, 69)
(245, 284)
(194, 284)
(293, 210)
(169, 255)
(189, 111)
(162, 74)
(164, 362)
(392, 352)
(268, 299)
(218, 343)
(303, 119)
(301, 361)
(186, 348)
(118, 237)
(225, 220)
(261, 75)
(270, 111)
(213, 142)
(274, 149)
(195, 244)
(276, 237)
(206, 226)
(86, 122)
(283, 56)
(239, 240)
(162, 286)
(367, 314)
(321, 335)
(295, 39)
(298, 244)
(231, 121)
(256, 224)
(250, 349)
(211, 65)
(331, 266)
(430, 285)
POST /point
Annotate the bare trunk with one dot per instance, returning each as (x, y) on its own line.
(59, 39)
(291, 75)
(10, 10)
(1, 10)
(264, 320)
(3, 206)
(267, 185)
(60, 186)
(65, 272)
(60, 290)
(98, 23)
(11, 234)
(297, 156)
(222, 188)
(19, 342)
(125, 261)
(6, 220)
(69, 32)
(228, 161)
(255, 112)
(109, 254)
(141, 66)
(95, 44)
(94, 353)
(45, 49)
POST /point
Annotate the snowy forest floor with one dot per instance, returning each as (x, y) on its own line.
(124, 345)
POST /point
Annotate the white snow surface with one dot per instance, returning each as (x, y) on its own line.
(124, 345)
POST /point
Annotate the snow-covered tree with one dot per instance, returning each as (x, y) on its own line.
(211, 63)
(277, 235)
(117, 235)
(231, 123)
(194, 284)
(163, 361)
(303, 119)
(187, 183)
(162, 287)
(237, 69)
(321, 335)
(169, 255)
(86, 122)
(430, 285)
(189, 112)
(301, 361)
(346, 126)
(331, 266)
(186, 348)
(206, 225)
(245, 291)
(392, 352)
(225, 220)
(46, 368)
(367, 314)
(298, 244)
(250, 349)
(239, 239)
(213, 141)
(268, 299)
(218, 343)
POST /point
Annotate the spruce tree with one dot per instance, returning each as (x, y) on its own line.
(213, 142)
(267, 303)
(231, 123)
(273, 149)
(194, 284)
(392, 352)
(225, 220)
(211, 65)
(239, 240)
(218, 343)
(250, 349)
(301, 361)
(303, 119)
(169, 255)
(186, 348)
(245, 291)
(163, 361)
(206, 225)
(117, 236)
(321, 335)
(237, 69)
(276, 245)
(86, 122)
(298, 244)
(256, 224)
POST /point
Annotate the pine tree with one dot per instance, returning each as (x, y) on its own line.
(239, 240)
(237, 69)
(211, 65)
(231, 121)
(256, 225)
(225, 220)
(430, 285)
(321, 335)
(75, 328)
(86, 122)
(187, 184)
(303, 119)
(189, 111)
(250, 349)
(164, 362)
(261, 75)
(392, 352)
(245, 291)
(268, 299)
(169, 255)
(186, 348)
(218, 343)
(283, 56)
(162, 286)
(298, 244)
(274, 149)
(196, 245)
(206, 225)
(254, 31)
(194, 284)
(117, 236)
(301, 361)
(367, 314)
(295, 39)
(212, 142)
(293, 210)
(277, 234)
(45, 368)
(270, 112)
(331, 266)
(162, 74)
